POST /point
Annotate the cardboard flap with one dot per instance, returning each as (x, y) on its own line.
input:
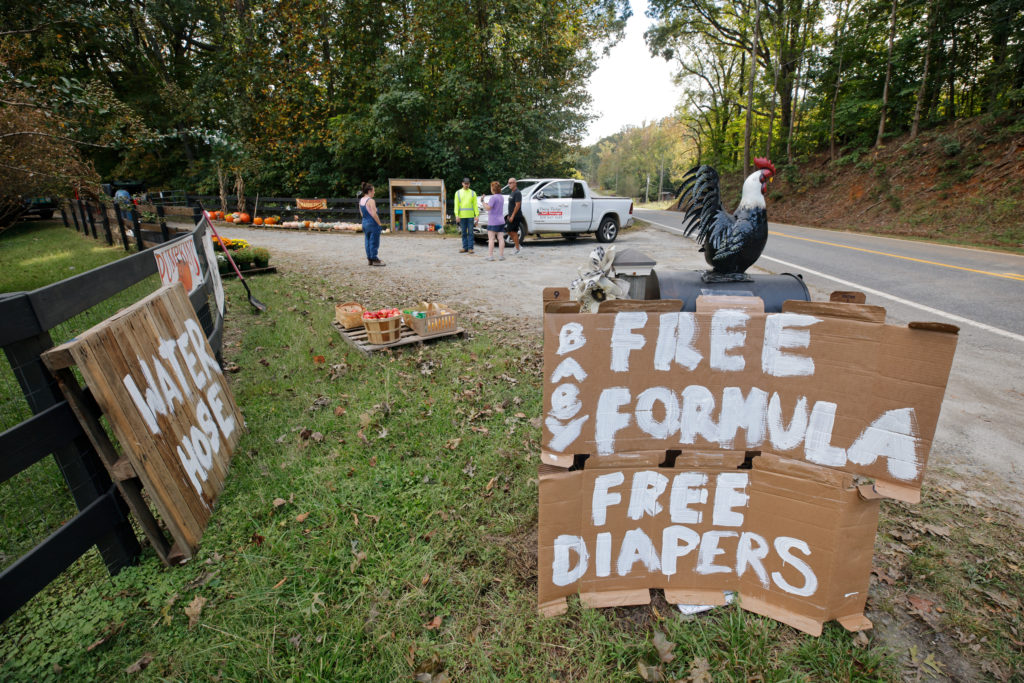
(555, 294)
(831, 309)
(562, 461)
(850, 297)
(769, 462)
(720, 460)
(624, 598)
(710, 303)
(650, 305)
(562, 307)
(934, 327)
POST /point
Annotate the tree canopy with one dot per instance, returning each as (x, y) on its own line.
(309, 97)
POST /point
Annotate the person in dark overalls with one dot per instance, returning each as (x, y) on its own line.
(371, 224)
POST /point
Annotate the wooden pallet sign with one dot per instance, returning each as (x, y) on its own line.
(151, 372)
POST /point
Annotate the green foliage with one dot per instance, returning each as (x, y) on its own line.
(950, 145)
(243, 257)
(261, 257)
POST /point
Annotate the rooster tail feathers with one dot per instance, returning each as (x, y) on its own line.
(700, 202)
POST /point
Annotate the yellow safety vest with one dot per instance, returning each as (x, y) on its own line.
(465, 204)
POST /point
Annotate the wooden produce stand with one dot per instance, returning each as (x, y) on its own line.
(417, 204)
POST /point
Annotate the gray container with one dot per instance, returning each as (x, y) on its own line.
(687, 285)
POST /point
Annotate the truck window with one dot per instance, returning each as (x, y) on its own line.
(561, 189)
(577, 191)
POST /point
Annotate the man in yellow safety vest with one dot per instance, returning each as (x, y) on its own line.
(466, 212)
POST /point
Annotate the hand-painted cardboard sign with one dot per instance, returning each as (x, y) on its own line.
(156, 379)
(794, 540)
(827, 383)
(179, 262)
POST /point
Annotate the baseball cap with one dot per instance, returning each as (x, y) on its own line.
(465, 180)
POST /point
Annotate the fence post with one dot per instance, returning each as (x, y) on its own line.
(197, 215)
(78, 462)
(74, 217)
(164, 234)
(106, 224)
(120, 226)
(64, 215)
(92, 221)
(138, 229)
(81, 214)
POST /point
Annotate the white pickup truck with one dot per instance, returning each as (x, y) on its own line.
(568, 207)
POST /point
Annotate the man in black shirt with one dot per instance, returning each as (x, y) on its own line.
(515, 213)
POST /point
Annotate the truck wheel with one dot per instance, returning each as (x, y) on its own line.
(608, 230)
(521, 229)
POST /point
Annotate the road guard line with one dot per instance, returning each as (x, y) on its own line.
(891, 297)
(905, 258)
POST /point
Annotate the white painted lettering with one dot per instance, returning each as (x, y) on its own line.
(603, 550)
(709, 550)
(698, 404)
(671, 550)
(783, 546)
(226, 420)
(783, 438)
(561, 573)
(624, 340)
(728, 332)
(687, 488)
(609, 420)
(568, 368)
(818, 442)
(729, 495)
(564, 434)
(645, 420)
(739, 413)
(675, 341)
(570, 338)
(602, 498)
(565, 403)
(892, 436)
(750, 552)
(780, 332)
(643, 499)
(637, 547)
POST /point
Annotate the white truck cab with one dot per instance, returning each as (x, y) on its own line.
(568, 207)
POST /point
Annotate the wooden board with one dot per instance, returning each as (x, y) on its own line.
(357, 338)
(155, 378)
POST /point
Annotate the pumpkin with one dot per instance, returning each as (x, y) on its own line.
(237, 220)
(257, 221)
(307, 224)
(244, 216)
(270, 221)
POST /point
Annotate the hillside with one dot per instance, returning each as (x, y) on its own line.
(961, 183)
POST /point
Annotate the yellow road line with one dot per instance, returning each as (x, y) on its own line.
(1007, 276)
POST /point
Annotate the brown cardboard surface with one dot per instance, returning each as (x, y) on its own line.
(794, 540)
(850, 297)
(750, 304)
(826, 383)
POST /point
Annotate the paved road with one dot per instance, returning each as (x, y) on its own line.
(968, 287)
(982, 420)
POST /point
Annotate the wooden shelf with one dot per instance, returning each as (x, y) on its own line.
(432, 189)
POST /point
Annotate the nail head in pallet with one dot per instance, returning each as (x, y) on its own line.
(357, 338)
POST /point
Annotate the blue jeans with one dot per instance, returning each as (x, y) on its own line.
(371, 237)
(466, 228)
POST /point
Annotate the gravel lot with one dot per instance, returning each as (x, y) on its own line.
(977, 444)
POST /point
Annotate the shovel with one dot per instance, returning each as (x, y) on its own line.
(256, 303)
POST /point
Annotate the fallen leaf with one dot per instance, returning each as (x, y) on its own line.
(232, 367)
(295, 640)
(920, 604)
(199, 581)
(664, 647)
(264, 362)
(305, 433)
(362, 437)
(194, 609)
(425, 580)
(140, 664)
(301, 517)
(166, 609)
(111, 630)
(480, 430)
(359, 557)
(469, 469)
(319, 360)
(521, 416)
(365, 420)
(650, 673)
(490, 484)
(373, 461)
(257, 539)
(452, 444)
(317, 436)
(700, 671)
(278, 502)
(861, 639)
(433, 623)
(535, 422)
(339, 411)
(280, 583)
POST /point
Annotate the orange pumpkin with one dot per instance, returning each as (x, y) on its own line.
(257, 221)
(237, 220)
(244, 217)
(307, 224)
(270, 221)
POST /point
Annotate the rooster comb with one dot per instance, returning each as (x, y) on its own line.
(763, 164)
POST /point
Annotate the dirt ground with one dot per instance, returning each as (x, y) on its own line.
(977, 437)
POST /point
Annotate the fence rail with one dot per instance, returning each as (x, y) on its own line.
(26, 321)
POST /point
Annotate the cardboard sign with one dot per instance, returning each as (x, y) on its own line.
(179, 262)
(826, 383)
(794, 540)
(155, 377)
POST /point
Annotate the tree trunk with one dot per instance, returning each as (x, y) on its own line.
(771, 117)
(222, 183)
(951, 79)
(836, 46)
(924, 76)
(888, 76)
(750, 88)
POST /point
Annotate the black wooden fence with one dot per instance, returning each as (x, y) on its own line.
(26, 321)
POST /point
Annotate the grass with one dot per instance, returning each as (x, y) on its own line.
(403, 540)
(33, 255)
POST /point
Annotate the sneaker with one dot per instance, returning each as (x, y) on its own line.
(463, 251)
(501, 258)
(470, 251)
(517, 250)
(491, 258)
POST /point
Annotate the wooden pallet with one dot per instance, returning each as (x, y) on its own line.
(357, 338)
(250, 272)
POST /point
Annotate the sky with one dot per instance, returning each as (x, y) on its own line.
(630, 86)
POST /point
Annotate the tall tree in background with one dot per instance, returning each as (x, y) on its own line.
(888, 75)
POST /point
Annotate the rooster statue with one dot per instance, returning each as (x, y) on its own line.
(731, 243)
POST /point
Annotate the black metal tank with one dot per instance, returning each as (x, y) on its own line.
(687, 285)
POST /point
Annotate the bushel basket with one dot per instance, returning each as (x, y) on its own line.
(383, 331)
(349, 314)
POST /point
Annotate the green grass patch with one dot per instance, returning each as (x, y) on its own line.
(36, 254)
(380, 522)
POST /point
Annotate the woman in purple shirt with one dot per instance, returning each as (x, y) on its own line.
(495, 222)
